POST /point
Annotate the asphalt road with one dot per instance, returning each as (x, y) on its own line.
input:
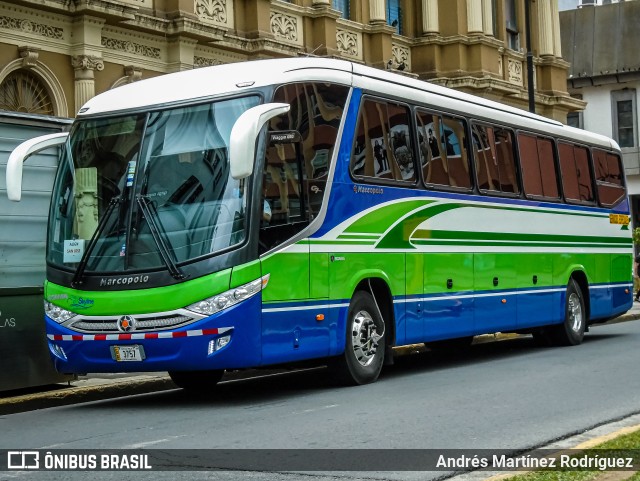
(503, 395)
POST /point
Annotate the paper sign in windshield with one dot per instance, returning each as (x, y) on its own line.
(73, 250)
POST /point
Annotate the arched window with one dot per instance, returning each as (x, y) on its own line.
(22, 91)
(394, 15)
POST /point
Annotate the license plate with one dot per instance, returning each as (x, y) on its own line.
(127, 353)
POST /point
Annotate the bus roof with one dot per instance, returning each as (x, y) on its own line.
(208, 82)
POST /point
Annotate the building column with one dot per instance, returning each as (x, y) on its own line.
(377, 13)
(84, 67)
(557, 41)
(430, 22)
(545, 29)
(474, 16)
(487, 17)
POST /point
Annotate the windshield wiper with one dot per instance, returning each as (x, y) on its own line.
(82, 265)
(158, 234)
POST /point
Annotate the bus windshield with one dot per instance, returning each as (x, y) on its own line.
(148, 191)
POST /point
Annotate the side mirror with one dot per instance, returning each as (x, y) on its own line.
(20, 154)
(242, 144)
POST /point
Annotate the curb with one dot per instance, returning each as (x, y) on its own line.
(75, 394)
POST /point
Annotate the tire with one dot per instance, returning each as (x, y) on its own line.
(364, 352)
(571, 331)
(197, 381)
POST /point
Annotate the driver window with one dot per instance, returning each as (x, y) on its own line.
(296, 168)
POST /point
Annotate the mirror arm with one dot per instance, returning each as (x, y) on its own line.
(242, 142)
(20, 154)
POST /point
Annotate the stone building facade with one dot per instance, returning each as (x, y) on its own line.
(56, 54)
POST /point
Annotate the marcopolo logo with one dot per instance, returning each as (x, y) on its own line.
(126, 324)
(363, 189)
(123, 281)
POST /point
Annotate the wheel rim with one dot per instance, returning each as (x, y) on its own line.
(365, 338)
(575, 312)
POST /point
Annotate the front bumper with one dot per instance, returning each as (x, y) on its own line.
(184, 349)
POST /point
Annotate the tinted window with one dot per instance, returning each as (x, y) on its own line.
(494, 158)
(538, 166)
(576, 176)
(608, 177)
(316, 111)
(383, 148)
(443, 152)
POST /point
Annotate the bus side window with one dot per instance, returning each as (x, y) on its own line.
(383, 146)
(576, 175)
(537, 160)
(495, 159)
(608, 177)
(443, 153)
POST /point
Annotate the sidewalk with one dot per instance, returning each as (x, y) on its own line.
(95, 387)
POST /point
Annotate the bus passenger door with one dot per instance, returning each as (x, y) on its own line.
(496, 299)
(291, 330)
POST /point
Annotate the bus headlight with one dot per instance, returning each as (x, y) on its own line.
(229, 298)
(56, 313)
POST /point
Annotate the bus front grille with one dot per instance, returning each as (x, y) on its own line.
(141, 323)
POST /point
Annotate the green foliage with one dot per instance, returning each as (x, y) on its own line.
(636, 235)
(622, 446)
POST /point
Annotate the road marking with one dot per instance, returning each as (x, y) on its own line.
(322, 408)
(151, 443)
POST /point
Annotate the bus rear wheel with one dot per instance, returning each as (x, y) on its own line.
(571, 331)
(200, 381)
(365, 343)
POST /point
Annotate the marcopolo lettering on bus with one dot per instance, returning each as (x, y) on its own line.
(123, 281)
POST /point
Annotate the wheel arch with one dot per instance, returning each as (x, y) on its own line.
(580, 278)
(379, 288)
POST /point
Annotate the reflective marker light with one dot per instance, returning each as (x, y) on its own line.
(223, 341)
(217, 344)
(57, 314)
(57, 351)
(229, 298)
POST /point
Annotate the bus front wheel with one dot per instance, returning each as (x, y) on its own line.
(201, 381)
(365, 343)
(571, 331)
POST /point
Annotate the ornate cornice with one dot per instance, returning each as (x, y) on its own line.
(130, 47)
(199, 62)
(30, 27)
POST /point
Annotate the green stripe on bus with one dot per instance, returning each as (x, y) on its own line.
(510, 236)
